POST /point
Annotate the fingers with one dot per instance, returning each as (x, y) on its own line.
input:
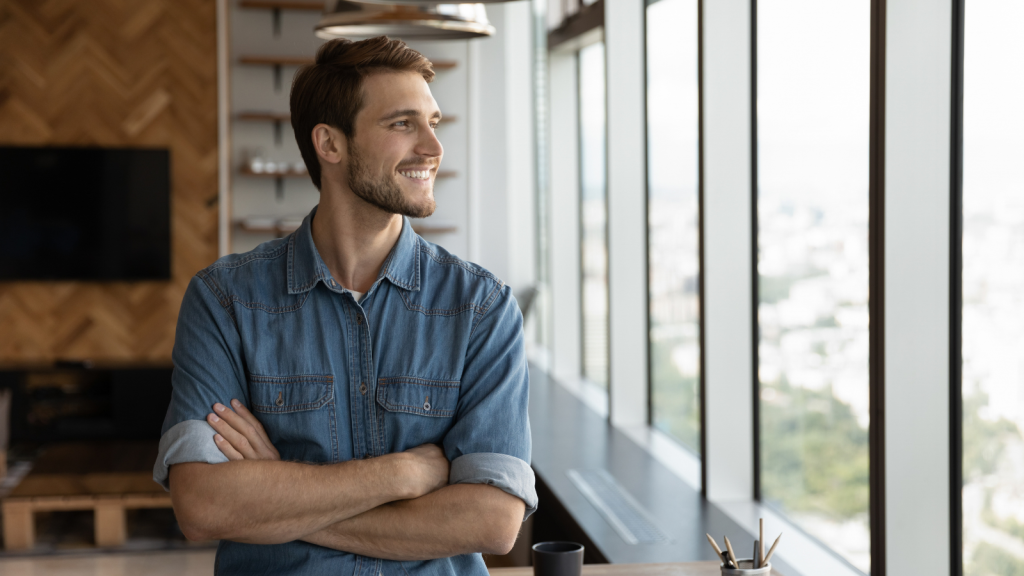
(226, 448)
(243, 431)
(232, 436)
(253, 421)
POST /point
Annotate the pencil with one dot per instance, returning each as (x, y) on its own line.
(772, 550)
(760, 553)
(721, 555)
(732, 555)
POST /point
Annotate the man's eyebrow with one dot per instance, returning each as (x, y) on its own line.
(409, 112)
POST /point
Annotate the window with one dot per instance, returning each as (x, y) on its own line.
(993, 289)
(813, 107)
(593, 215)
(673, 234)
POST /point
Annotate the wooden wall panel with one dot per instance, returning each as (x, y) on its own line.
(112, 73)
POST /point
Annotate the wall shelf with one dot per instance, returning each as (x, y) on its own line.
(278, 62)
(274, 174)
(283, 5)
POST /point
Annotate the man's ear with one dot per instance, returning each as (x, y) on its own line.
(330, 144)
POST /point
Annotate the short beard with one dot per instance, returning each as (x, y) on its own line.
(382, 192)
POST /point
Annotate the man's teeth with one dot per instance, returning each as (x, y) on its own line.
(417, 174)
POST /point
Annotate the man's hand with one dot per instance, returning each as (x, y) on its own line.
(428, 470)
(240, 436)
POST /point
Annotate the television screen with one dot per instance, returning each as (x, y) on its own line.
(84, 214)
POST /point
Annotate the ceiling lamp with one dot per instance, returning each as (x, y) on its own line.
(343, 19)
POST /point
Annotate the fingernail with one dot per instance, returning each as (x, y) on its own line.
(218, 437)
(236, 403)
(218, 407)
(214, 418)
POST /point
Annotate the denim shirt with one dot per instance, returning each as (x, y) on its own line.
(432, 353)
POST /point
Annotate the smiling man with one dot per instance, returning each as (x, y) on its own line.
(352, 399)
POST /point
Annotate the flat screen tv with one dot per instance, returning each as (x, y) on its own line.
(84, 214)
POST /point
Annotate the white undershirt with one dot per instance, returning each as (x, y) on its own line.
(357, 295)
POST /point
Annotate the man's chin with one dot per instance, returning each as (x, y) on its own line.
(422, 210)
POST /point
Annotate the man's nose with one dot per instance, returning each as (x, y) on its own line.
(429, 145)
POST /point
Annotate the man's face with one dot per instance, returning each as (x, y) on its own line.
(393, 156)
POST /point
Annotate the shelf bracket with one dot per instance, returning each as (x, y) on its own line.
(278, 136)
(276, 15)
(279, 189)
(277, 77)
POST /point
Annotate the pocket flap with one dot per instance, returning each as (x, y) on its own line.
(437, 398)
(290, 393)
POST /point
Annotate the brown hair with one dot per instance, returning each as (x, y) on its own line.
(330, 90)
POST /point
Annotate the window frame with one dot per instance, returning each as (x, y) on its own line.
(727, 127)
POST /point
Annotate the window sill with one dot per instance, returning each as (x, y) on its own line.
(662, 476)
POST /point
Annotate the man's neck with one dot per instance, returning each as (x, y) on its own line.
(353, 237)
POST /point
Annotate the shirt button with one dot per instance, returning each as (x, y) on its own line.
(362, 388)
(333, 283)
(359, 319)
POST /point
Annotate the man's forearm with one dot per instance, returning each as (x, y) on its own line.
(269, 502)
(458, 519)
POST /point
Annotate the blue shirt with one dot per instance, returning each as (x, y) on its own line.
(432, 353)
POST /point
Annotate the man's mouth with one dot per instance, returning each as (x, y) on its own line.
(416, 174)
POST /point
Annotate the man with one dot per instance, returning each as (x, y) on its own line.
(323, 382)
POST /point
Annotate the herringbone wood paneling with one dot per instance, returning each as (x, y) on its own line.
(112, 73)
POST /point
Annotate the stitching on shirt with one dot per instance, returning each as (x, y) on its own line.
(293, 378)
(321, 381)
(456, 261)
(275, 253)
(387, 270)
(291, 259)
(438, 311)
(271, 309)
(490, 300)
(214, 288)
(418, 410)
(419, 381)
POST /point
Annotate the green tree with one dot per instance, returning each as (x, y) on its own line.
(814, 453)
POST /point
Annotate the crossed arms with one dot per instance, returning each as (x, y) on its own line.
(396, 507)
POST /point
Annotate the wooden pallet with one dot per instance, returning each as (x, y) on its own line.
(107, 478)
(19, 515)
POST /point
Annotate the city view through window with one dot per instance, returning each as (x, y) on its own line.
(593, 214)
(673, 235)
(813, 109)
(993, 289)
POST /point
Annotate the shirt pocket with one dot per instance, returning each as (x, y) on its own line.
(416, 410)
(298, 414)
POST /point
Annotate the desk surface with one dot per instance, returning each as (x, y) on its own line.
(673, 569)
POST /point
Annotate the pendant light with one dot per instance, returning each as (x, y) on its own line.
(344, 19)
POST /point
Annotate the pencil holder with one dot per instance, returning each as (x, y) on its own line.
(747, 569)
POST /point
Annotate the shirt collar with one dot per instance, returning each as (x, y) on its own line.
(306, 268)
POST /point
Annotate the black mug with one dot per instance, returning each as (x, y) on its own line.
(557, 559)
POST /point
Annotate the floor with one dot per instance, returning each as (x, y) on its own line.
(176, 563)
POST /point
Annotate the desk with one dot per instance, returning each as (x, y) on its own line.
(673, 569)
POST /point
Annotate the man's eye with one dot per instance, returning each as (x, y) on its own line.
(402, 123)
(433, 125)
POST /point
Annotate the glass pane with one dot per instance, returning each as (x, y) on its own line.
(673, 250)
(593, 215)
(813, 107)
(993, 289)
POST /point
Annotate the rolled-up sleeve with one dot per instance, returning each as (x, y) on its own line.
(208, 368)
(489, 442)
